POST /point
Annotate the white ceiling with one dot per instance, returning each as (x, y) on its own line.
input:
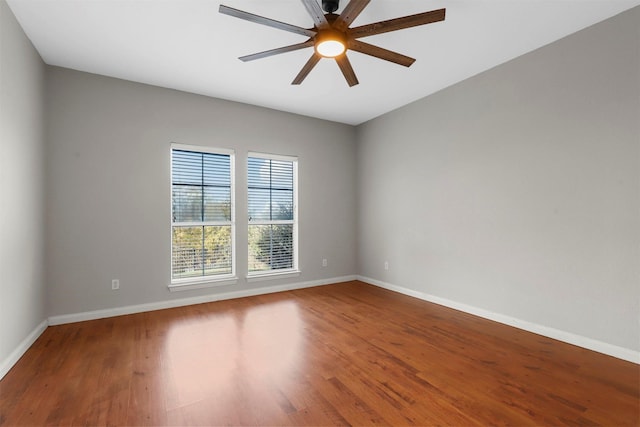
(187, 45)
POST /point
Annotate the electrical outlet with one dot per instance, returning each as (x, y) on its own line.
(324, 262)
(115, 284)
(386, 265)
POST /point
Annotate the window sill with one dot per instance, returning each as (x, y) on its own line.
(258, 277)
(202, 284)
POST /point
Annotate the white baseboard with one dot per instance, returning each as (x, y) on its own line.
(140, 308)
(22, 348)
(568, 337)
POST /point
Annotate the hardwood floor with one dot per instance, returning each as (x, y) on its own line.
(343, 354)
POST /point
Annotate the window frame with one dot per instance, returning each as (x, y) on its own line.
(198, 282)
(285, 272)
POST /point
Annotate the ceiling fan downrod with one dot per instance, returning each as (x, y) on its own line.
(330, 6)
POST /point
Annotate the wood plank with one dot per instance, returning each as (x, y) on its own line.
(344, 354)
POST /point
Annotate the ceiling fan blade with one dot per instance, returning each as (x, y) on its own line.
(398, 23)
(226, 10)
(378, 52)
(277, 51)
(349, 14)
(316, 12)
(306, 69)
(347, 70)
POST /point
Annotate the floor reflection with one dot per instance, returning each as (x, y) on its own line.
(232, 355)
(201, 358)
(273, 354)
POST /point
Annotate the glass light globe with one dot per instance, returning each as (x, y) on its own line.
(330, 48)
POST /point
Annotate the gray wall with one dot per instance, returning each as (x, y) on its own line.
(518, 190)
(22, 290)
(108, 187)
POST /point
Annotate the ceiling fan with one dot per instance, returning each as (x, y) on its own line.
(331, 36)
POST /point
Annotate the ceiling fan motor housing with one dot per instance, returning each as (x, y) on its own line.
(330, 6)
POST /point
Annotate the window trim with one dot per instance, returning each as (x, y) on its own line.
(294, 270)
(199, 282)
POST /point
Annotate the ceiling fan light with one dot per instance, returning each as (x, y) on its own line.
(330, 48)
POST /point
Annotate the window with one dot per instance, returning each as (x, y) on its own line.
(272, 214)
(202, 226)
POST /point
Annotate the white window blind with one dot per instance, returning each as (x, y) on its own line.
(202, 227)
(272, 213)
